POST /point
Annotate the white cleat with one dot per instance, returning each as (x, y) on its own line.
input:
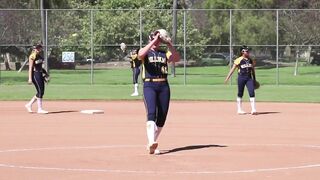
(135, 94)
(28, 107)
(241, 112)
(41, 111)
(152, 147)
(157, 152)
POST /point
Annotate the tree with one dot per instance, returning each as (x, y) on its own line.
(299, 28)
(248, 27)
(111, 27)
(17, 29)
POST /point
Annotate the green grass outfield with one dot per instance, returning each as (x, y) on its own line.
(215, 75)
(203, 83)
(267, 93)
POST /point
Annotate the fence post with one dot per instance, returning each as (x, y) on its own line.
(140, 13)
(174, 33)
(184, 47)
(46, 44)
(277, 55)
(230, 42)
(43, 14)
(91, 44)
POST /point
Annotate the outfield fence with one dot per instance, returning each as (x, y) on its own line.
(284, 43)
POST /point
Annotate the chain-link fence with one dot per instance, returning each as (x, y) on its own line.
(284, 43)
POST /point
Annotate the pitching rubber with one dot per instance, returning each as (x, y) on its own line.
(92, 111)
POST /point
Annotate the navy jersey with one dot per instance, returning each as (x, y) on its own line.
(37, 60)
(134, 61)
(155, 64)
(244, 65)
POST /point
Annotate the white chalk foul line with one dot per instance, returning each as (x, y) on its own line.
(160, 172)
(155, 172)
(68, 148)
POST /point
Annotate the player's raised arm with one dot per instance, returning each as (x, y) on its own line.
(152, 41)
(175, 56)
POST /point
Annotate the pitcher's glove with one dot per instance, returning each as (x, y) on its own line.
(164, 36)
(256, 84)
(46, 78)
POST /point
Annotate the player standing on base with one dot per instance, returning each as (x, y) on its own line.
(135, 66)
(246, 77)
(156, 89)
(36, 77)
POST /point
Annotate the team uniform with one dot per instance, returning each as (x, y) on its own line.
(37, 74)
(246, 77)
(156, 91)
(38, 79)
(135, 66)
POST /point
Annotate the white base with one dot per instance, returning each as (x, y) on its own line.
(92, 111)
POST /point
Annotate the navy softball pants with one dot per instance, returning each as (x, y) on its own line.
(156, 99)
(245, 80)
(38, 82)
(135, 74)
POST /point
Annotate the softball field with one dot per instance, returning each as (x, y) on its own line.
(201, 140)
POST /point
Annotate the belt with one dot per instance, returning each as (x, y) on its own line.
(244, 74)
(155, 80)
(35, 70)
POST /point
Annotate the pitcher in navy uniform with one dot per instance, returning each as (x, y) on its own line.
(246, 77)
(156, 89)
(36, 77)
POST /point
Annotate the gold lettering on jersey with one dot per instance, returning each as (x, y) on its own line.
(157, 59)
(246, 66)
(164, 70)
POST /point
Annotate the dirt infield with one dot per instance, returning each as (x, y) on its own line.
(201, 140)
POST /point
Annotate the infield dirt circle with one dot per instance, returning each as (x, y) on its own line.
(201, 140)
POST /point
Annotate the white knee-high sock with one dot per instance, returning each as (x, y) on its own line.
(33, 99)
(253, 104)
(239, 104)
(151, 129)
(39, 101)
(157, 133)
(136, 88)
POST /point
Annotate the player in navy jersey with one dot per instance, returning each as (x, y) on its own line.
(246, 77)
(36, 77)
(135, 66)
(156, 89)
